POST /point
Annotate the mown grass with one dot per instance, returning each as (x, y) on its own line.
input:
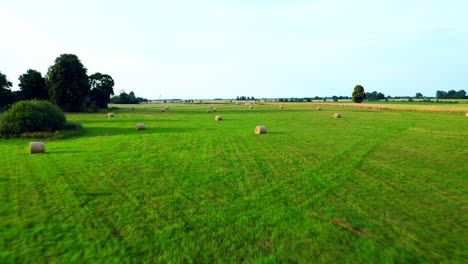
(406, 106)
(371, 187)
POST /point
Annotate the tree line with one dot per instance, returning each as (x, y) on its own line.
(67, 85)
(451, 94)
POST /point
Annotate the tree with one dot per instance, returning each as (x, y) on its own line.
(375, 96)
(6, 95)
(452, 94)
(461, 94)
(68, 83)
(335, 98)
(419, 96)
(33, 86)
(132, 98)
(358, 94)
(441, 94)
(124, 98)
(102, 87)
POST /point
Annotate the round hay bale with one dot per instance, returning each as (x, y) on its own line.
(214, 110)
(337, 115)
(260, 130)
(163, 110)
(208, 111)
(466, 114)
(166, 107)
(238, 103)
(36, 147)
(110, 114)
(140, 126)
(319, 108)
(211, 107)
(218, 118)
(281, 107)
(251, 107)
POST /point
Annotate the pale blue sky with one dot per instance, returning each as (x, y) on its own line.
(268, 48)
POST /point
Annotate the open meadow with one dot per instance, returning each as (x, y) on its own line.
(375, 186)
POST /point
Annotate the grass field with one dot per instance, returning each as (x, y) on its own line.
(375, 186)
(461, 107)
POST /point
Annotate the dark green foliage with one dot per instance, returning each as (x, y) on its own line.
(31, 116)
(101, 89)
(358, 94)
(124, 98)
(452, 94)
(419, 96)
(6, 96)
(143, 100)
(375, 96)
(68, 83)
(33, 86)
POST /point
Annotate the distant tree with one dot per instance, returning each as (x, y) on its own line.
(452, 94)
(68, 83)
(419, 96)
(102, 87)
(124, 98)
(144, 100)
(6, 95)
(441, 94)
(335, 98)
(374, 96)
(461, 94)
(132, 98)
(32, 86)
(358, 94)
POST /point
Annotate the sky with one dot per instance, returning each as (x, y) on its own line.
(261, 48)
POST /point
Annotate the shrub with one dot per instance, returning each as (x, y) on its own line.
(31, 116)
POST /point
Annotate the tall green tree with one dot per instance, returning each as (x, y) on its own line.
(32, 86)
(6, 95)
(132, 98)
(358, 94)
(68, 83)
(102, 87)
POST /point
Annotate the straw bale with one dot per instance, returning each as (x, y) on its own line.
(218, 118)
(36, 147)
(260, 130)
(319, 108)
(110, 114)
(337, 115)
(140, 126)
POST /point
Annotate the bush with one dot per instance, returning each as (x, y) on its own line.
(31, 116)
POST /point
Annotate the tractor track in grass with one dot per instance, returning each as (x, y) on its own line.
(82, 199)
(314, 188)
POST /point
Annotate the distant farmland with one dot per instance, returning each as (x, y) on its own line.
(374, 186)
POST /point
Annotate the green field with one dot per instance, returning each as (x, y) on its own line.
(371, 187)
